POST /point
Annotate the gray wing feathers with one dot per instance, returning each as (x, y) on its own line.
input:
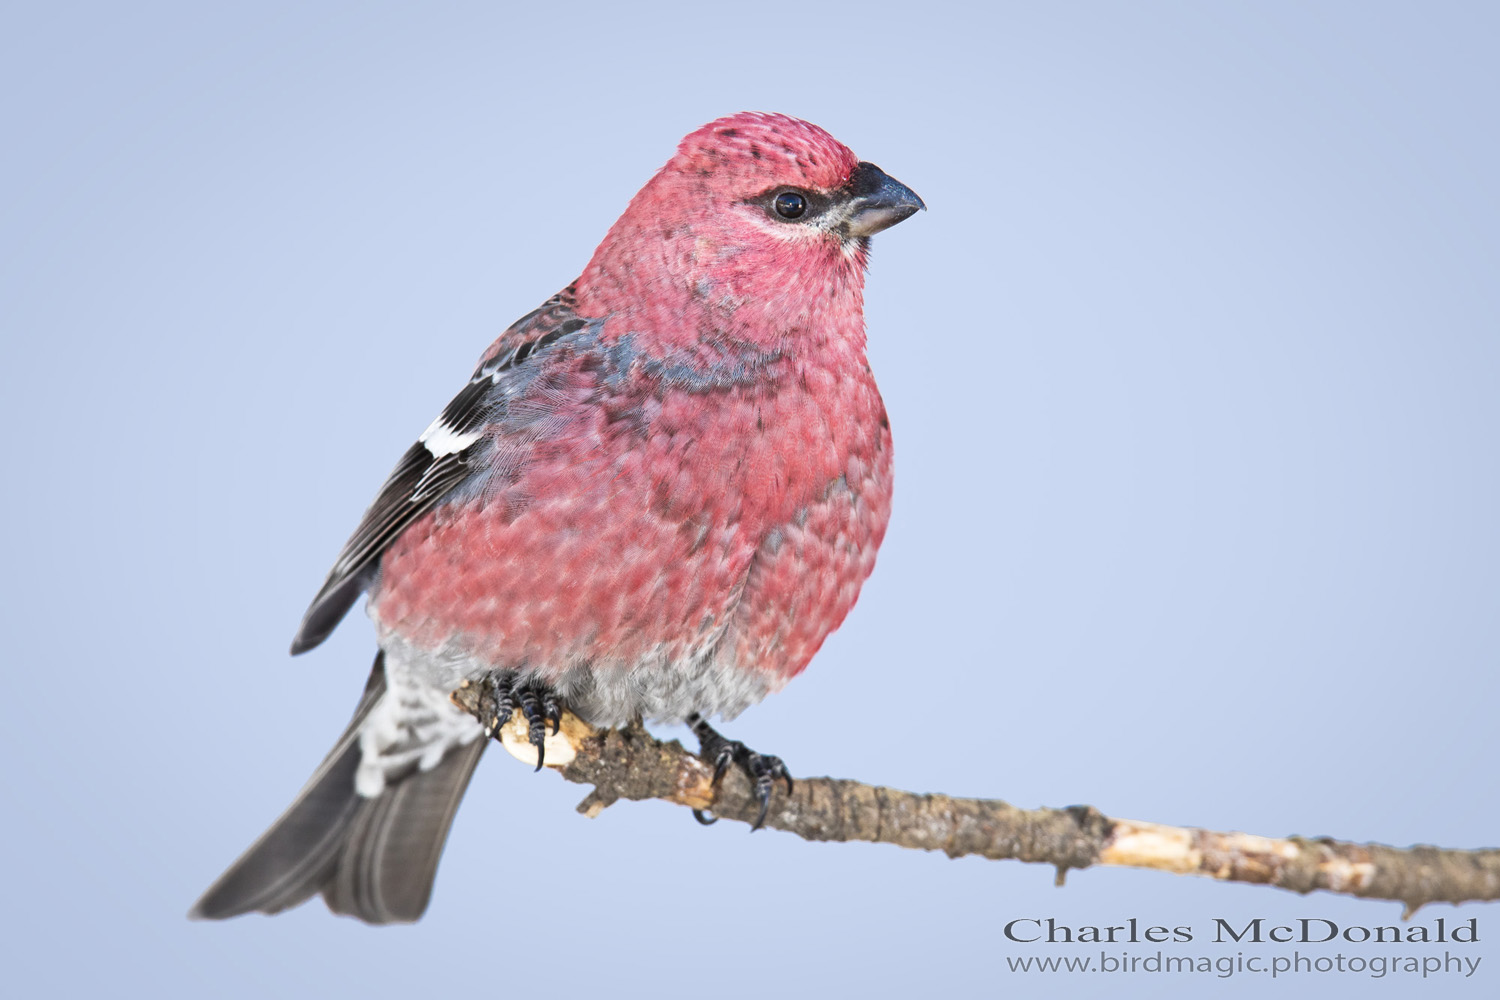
(371, 858)
(431, 469)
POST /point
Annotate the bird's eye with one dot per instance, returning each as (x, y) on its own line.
(790, 205)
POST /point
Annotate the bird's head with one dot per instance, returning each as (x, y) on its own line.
(754, 209)
(785, 181)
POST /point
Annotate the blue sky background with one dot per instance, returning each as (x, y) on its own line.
(1193, 373)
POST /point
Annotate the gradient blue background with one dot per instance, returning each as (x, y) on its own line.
(1193, 372)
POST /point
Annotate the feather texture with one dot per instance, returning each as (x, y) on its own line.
(440, 461)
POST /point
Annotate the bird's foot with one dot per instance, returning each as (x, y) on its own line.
(763, 770)
(539, 705)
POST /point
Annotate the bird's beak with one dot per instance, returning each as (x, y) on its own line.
(877, 201)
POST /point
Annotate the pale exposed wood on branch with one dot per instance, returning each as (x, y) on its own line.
(630, 763)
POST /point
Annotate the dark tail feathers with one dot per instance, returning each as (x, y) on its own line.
(372, 858)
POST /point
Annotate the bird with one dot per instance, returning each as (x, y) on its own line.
(655, 498)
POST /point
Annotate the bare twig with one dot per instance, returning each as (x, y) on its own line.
(630, 763)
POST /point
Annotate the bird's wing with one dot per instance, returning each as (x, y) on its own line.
(439, 461)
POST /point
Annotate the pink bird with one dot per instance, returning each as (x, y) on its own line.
(656, 497)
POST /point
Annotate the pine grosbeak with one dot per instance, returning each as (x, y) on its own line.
(657, 496)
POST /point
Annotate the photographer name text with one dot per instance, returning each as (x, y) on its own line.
(1257, 930)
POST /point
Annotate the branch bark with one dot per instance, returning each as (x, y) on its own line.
(630, 763)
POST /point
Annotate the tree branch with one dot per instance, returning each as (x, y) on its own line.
(630, 763)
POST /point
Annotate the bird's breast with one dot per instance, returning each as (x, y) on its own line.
(628, 523)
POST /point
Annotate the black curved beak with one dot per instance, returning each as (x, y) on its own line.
(878, 201)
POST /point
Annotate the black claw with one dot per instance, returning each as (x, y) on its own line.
(704, 818)
(763, 770)
(505, 701)
(552, 709)
(536, 727)
(721, 764)
(500, 693)
(527, 700)
(538, 703)
(760, 817)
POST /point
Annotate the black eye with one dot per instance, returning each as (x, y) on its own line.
(790, 205)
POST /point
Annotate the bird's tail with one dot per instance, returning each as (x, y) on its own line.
(371, 857)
